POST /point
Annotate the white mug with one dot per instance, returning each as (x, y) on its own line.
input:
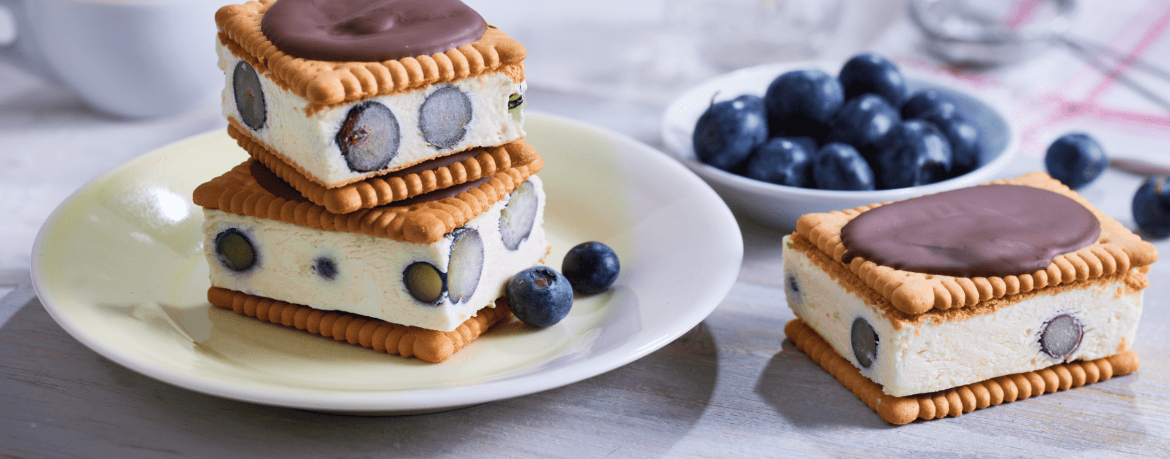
(132, 58)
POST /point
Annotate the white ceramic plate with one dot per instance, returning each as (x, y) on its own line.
(781, 205)
(120, 267)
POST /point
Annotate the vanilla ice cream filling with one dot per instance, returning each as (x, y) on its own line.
(941, 354)
(366, 273)
(309, 141)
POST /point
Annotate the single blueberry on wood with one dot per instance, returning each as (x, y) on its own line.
(729, 131)
(519, 215)
(249, 96)
(782, 162)
(1151, 207)
(591, 267)
(869, 73)
(913, 153)
(235, 250)
(802, 102)
(424, 282)
(1061, 336)
(864, 341)
(1075, 159)
(837, 166)
(862, 122)
(369, 137)
(539, 296)
(444, 117)
(465, 265)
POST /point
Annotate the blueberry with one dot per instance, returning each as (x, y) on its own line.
(869, 73)
(781, 161)
(444, 117)
(424, 282)
(465, 265)
(837, 166)
(964, 136)
(863, 121)
(1075, 159)
(591, 267)
(519, 215)
(369, 137)
(913, 153)
(1151, 207)
(1061, 336)
(249, 96)
(864, 341)
(539, 296)
(808, 143)
(792, 289)
(925, 102)
(729, 131)
(235, 250)
(325, 267)
(803, 102)
(515, 101)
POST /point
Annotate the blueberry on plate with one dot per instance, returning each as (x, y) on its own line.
(1151, 207)
(591, 267)
(965, 137)
(803, 102)
(861, 122)
(539, 296)
(1075, 159)
(729, 131)
(783, 162)
(837, 166)
(869, 73)
(913, 153)
(925, 102)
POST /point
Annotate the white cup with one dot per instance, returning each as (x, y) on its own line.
(132, 58)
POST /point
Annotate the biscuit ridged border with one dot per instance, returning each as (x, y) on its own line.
(1116, 250)
(383, 190)
(958, 400)
(238, 192)
(427, 345)
(326, 84)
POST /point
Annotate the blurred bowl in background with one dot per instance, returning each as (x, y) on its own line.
(781, 206)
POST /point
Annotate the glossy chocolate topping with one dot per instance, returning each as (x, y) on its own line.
(982, 231)
(369, 30)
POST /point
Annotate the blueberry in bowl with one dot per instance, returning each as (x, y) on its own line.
(781, 161)
(729, 131)
(802, 102)
(913, 153)
(862, 122)
(838, 166)
(869, 73)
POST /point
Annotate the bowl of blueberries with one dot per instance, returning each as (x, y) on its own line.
(781, 140)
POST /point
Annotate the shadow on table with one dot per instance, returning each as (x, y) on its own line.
(59, 389)
(808, 396)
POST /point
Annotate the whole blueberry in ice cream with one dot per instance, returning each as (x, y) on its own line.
(591, 267)
(1151, 207)
(802, 102)
(913, 153)
(729, 131)
(539, 296)
(869, 73)
(863, 121)
(1075, 159)
(782, 162)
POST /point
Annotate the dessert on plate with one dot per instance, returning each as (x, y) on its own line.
(939, 305)
(389, 195)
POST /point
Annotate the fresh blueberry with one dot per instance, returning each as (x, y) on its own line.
(1151, 207)
(837, 166)
(1075, 159)
(913, 153)
(729, 131)
(808, 143)
(869, 73)
(863, 121)
(783, 162)
(591, 267)
(803, 102)
(926, 101)
(539, 296)
(965, 137)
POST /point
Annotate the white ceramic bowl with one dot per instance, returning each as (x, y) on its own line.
(780, 205)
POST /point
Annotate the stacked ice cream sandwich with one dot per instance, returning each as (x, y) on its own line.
(940, 305)
(389, 195)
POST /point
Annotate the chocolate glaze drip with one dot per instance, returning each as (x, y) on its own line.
(982, 231)
(370, 30)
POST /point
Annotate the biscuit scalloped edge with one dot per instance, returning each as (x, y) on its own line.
(1116, 250)
(328, 84)
(427, 345)
(957, 400)
(237, 192)
(382, 190)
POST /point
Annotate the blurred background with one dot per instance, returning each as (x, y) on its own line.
(1064, 66)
